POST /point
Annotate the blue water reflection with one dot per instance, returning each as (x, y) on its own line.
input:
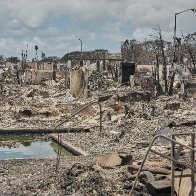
(37, 149)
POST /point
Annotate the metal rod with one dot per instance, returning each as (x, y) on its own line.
(194, 10)
(77, 112)
(174, 160)
(184, 175)
(193, 163)
(167, 157)
(142, 164)
(80, 49)
(192, 175)
(193, 189)
(172, 166)
(185, 11)
(175, 38)
(80, 45)
(190, 133)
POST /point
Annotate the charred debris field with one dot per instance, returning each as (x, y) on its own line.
(93, 124)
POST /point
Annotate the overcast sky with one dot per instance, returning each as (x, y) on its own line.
(56, 25)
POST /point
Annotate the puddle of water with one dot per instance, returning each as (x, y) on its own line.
(12, 147)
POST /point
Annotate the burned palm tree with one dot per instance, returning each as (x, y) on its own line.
(36, 49)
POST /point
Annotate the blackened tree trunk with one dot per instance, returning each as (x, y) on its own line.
(17, 75)
(164, 61)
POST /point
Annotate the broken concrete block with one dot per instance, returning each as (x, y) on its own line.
(109, 160)
(113, 160)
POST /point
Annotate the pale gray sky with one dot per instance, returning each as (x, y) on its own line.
(56, 25)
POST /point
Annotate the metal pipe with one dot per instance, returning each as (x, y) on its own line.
(176, 134)
(80, 45)
(172, 167)
(83, 108)
(172, 159)
(77, 112)
(175, 38)
(192, 159)
(80, 50)
(193, 10)
(167, 157)
(193, 163)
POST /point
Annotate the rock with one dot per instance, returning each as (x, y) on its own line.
(109, 160)
(113, 159)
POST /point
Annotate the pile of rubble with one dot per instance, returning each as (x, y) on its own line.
(131, 117)
(111, 174)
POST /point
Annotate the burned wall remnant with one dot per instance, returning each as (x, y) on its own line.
(78, 83)
(36, 76)
(125, 71)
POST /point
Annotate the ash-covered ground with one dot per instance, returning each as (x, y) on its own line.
(131, 117)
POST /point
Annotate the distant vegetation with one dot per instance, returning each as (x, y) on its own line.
(96, 54)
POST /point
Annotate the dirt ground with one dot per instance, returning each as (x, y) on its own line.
(40, 177)
(130, 120)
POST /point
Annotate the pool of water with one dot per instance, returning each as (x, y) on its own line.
(19, 147)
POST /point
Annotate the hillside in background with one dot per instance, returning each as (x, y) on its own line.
(96, 54)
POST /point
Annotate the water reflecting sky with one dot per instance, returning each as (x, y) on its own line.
(38, 149)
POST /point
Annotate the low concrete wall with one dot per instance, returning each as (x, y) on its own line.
(40, 131)
(36, 76)
(67, 145)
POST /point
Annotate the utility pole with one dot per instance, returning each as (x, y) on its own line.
(175, 18)
(80, 51)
